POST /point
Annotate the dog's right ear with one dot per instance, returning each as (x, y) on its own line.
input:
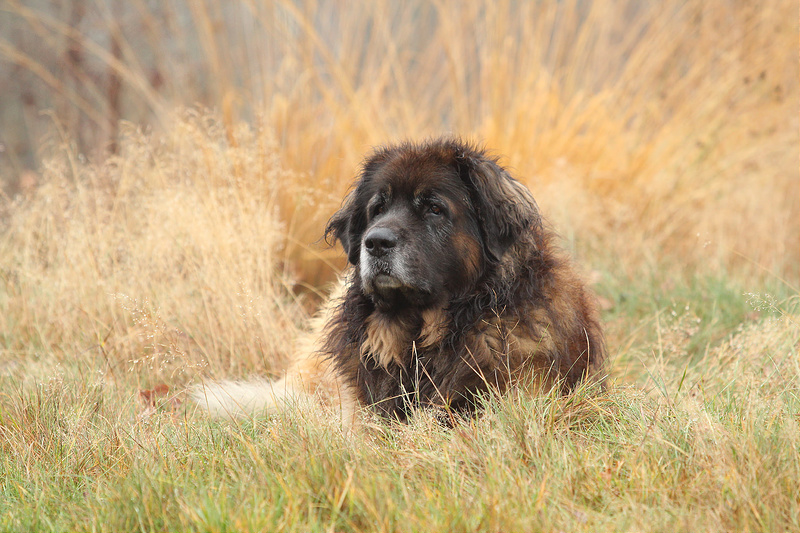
(347, 226)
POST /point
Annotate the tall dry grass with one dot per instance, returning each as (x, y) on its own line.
(661, 139)
(651, 130)
(155, 263)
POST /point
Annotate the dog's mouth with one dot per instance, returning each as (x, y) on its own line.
(389, 292)
(386, 282)
(380, 278)
(385, 286)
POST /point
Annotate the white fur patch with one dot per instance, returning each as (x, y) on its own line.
(236, 399)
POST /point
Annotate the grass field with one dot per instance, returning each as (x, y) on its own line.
(661, 141)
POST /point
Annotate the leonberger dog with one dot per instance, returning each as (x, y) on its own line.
(455, 290)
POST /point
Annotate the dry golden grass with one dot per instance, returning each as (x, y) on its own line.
(660, 140)
(163, 258)
(671, 131)
(647, 131)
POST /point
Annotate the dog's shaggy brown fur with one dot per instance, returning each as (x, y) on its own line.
(456, 289)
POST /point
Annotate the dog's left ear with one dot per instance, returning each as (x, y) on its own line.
(347, 225)
(504, 206)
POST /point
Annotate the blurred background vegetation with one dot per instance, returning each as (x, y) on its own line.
(188, 154)
(656, 113)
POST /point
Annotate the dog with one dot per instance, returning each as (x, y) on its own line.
(455, 290)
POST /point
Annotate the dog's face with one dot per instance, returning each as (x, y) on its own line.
(425, 222)
(421, 241)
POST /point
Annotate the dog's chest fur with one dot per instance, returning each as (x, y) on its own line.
(404, 364)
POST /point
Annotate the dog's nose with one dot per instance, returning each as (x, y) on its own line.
(378, 241)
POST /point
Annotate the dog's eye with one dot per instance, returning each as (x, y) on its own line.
(378, 209)
(435, 210)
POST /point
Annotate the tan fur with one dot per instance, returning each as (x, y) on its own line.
(312, 372)
(434, 324)
(386, 341)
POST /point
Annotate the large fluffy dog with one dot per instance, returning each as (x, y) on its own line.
(456, 289)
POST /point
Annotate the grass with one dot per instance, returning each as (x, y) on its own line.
(717, 454)
(651, 140)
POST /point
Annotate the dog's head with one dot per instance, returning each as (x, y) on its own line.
(425, 222)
